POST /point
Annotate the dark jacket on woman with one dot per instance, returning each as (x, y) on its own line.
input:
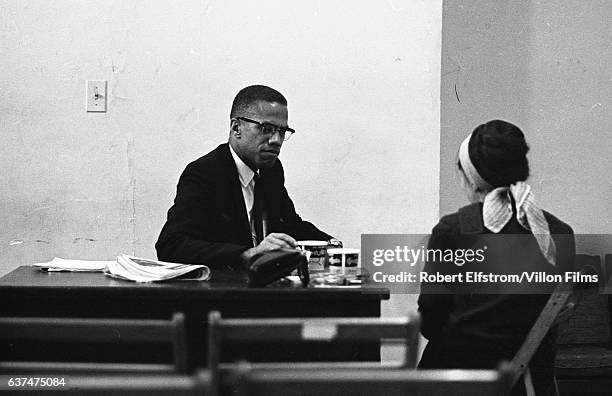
(477, 326)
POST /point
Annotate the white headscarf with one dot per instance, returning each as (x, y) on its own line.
(497, 206)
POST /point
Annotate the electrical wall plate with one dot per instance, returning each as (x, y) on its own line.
(96, 96)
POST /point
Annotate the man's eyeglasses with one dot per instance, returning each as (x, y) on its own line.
(269, 129)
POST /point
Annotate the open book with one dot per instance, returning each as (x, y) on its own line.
(131, 268)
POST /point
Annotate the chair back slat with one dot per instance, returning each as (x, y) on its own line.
(97, 333)
(279, 330)
(30, 367)
(136, 384)
(86, 330)
(343, 329)
(374, 382)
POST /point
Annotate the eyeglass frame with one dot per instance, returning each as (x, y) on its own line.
(282, 131)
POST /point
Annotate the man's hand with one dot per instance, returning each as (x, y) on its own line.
(273, 241)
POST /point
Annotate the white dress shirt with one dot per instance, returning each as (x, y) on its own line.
(247, 184)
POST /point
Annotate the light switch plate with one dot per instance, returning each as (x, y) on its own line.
(96, 96)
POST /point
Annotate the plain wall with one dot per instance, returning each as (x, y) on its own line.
(545, 66)
(362, 79)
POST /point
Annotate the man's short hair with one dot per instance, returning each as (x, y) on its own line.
(251, 94)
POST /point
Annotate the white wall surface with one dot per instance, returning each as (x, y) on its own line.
(362, 79)
(545, 66)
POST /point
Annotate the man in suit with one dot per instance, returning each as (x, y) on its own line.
(231, 204)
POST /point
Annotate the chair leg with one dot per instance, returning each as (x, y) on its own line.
(556, 386)
(529, 389)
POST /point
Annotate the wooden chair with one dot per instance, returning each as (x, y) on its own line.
(222, 331)
(547, 318)
(101, 333)
(584, 347)
(388, 382)
(563, 303)
(134, 385)
(607, 286)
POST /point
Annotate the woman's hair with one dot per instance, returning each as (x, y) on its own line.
(498, 151)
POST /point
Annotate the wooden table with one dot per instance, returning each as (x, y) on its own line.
(27, 291)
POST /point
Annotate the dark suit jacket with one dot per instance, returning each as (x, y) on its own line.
(479, 330)
(208, 222)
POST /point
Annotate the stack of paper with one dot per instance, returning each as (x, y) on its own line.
(60, 264)
(143, 270)
(131, 268)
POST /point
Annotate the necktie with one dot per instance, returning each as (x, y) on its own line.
(258, 209)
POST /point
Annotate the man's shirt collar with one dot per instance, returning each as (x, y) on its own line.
(245, 174)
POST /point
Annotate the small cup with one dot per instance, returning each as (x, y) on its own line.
(316, 251)
(343, 261)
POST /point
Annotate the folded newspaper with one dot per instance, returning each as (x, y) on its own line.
(131, 268)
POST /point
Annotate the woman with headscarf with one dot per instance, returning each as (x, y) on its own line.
(479, 325)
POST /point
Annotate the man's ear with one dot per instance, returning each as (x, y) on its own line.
(234, 128)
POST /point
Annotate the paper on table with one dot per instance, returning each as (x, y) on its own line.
(132, 268)
(60, 264)
(143, 270)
